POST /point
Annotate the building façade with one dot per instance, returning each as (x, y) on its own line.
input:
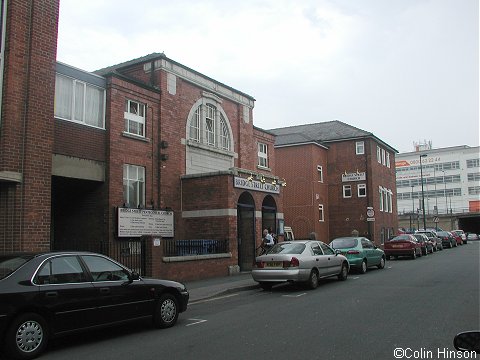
(340, 178)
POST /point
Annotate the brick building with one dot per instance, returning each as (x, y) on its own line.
(27, 81)
(335, 174)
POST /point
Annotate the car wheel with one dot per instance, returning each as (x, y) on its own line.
(313, 280)
(382, 263)
(414, 255)
(27, 336)
(363, 267)
(266, 285)
(343, 272)
(166, 313)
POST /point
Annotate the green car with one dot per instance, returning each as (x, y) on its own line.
(360, 252)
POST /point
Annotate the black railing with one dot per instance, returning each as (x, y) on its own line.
(194, 247)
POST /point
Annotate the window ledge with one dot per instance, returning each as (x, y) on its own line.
(263, 168)
(198, 145)
(135, 137)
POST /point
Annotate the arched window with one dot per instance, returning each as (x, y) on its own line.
(209, 145)
(208, 126)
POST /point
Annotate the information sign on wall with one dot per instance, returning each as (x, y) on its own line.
(138, 222)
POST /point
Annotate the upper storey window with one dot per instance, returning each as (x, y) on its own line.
(134, 118)
(208, 126)
(79, 101)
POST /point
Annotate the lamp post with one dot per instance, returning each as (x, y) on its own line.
(423, 195)
(445, 183)
(413, 208)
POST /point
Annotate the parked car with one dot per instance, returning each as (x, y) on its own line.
(432, 235)
(447, 239)
(50, 294)
(304, 261)
(462, 234)
(457, 238)
(402, 245)
(473, 237)
(360, 252)
(425, 244)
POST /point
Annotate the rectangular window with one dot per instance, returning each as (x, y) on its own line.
(210, 124)
(321, 215)
(388, 159)
(134, 116)
(320, 173)
(347, 191)
(473, 163)
(380, 191)
(195, 125)
(262, 155)
(384, 159)
(390, 201)
(360, 148)
(78, 101)
(134, 185)
(362, 190)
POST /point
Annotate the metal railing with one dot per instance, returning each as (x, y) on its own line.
(194, 247)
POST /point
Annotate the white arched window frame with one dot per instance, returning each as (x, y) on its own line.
(209, 125)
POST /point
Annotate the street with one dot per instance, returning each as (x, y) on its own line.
(416, 306)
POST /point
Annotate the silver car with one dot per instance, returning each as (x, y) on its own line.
(304, 261)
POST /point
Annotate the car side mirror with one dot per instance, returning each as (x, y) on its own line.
(134, 276)
(467, 341)
(338, 252)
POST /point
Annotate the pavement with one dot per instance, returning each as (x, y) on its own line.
(209, 288)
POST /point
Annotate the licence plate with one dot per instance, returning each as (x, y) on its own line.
(397, 246)
(274, 264)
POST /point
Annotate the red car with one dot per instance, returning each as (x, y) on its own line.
(403, 245)
(457, 237)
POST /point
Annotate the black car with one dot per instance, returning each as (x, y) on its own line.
(50, 294)
(447, 239)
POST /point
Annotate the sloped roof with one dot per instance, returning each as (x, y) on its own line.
(113, 68)
(322, 133)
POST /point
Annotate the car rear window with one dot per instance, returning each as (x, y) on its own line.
(344, 243)
(401, 238)
(8, 264)
(287, 248)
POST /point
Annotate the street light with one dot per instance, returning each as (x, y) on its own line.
(413, 208)
(423, 196)
(445, 183)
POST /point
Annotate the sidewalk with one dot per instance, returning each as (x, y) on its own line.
(204, 289)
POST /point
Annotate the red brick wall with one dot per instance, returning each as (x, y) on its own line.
(84, 142)
(125, 150)
(350, 213)
(26, 138)
(304, 192)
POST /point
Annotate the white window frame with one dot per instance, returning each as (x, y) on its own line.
(388, 159)
(390, 201)
(321, 213)
(362, 187)
(380, 191)
(133, 119)
(320, 173)
(134, 176)
(262, 155)
(208, 126)
(345, 189)
(79, 94)
(360, 147)
(384, 160)
(379, 155)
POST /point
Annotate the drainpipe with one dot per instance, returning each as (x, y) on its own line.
(24, 120)
(2, 53)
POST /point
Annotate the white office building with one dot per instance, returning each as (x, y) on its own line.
(451, 180)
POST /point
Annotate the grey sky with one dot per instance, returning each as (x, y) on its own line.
(406, 70)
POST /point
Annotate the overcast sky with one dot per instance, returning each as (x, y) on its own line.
(405, 70)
